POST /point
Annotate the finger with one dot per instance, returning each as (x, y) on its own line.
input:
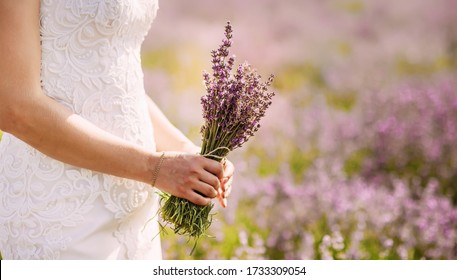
(229, 169)
(222, 201)
(214, 167)
(210, 179)
(226, 193)
(220, 193)
(197, 198)
(225, 182)
(222, 198)
(205, 189)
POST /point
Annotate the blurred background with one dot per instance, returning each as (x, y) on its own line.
(357, 157)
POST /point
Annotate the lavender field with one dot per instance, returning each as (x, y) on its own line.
(357, 157)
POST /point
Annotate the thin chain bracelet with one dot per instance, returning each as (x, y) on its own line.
(157, 169)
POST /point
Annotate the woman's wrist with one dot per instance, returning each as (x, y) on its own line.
(154, 166)
(157, 168)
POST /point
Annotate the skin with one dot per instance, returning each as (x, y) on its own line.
(28, 114)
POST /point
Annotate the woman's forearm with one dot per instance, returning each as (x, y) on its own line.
(166, 135)
(51, 128)
(55, 131)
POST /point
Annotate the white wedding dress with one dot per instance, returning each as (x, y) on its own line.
(51, 210)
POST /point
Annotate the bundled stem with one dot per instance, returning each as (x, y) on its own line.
(186, 217)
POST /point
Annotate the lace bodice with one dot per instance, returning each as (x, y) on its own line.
(91, 58)
(90, 64)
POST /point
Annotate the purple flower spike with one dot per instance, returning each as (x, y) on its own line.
(234, 103)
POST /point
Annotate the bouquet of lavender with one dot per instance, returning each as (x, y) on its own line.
(232, 108)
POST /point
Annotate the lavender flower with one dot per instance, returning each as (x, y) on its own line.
(232, 108)
(235, 102)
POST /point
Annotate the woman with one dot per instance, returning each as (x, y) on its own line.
(83, 142)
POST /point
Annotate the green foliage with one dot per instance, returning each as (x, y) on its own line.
(294, 77)
(354, 163)
(344, 48)
(343, 101)
(300, 161)
(164, 59)
(268, 164)
(353, 6)
(407, 67)
(183, 64)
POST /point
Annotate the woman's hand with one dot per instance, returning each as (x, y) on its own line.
(191, 176)
(226, 183)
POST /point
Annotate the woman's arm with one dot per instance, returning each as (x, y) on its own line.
(166, 135)
(27, 113)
